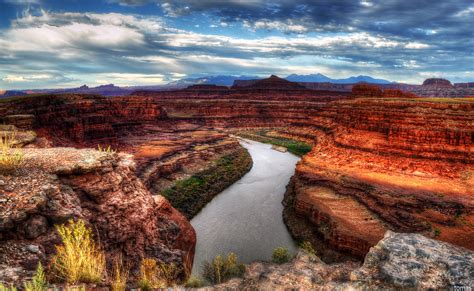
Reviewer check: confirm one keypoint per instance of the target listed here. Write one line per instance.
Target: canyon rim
(221, 159)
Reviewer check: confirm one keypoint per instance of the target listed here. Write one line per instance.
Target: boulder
(415, 261)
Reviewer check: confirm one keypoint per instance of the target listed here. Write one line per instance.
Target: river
(246, 218)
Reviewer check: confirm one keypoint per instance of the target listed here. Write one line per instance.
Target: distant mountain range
(222, 80)
(312, 78)
(320, 78)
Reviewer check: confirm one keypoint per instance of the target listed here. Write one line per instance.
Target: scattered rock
(33, 249)
(36, 226)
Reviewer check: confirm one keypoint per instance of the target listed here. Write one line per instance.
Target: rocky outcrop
(55, 185)
(437, 82)
(374, 91)
(273, 82)
(397, 93)
(398, 261)
(414, 261)
(366, 90)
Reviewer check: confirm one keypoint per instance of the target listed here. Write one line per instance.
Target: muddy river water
(246, 218)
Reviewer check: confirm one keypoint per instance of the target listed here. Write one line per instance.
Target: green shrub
(194, 282)
(281, 255)
(38, 282)
(6, 288)
(437, 232)
(308, 248)
(221, 270)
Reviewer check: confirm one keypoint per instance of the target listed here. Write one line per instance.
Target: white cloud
(22, 2)
(71, 34)
(128, 79)
(173, 11)
(13, 78)
(416, 45)
(288, 26)
(466, 12)
(28, 78)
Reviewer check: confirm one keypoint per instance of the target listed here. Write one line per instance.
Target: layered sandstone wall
(83, 118)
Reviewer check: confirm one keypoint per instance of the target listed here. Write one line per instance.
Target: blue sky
(52, 44)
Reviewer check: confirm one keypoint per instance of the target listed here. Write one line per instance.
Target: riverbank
(190, 195)
(272, 137)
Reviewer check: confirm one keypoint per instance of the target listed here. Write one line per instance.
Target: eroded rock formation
(58, 184)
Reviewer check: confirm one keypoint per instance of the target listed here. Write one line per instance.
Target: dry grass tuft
(108, 149)
(10, 157)
(194, 282)
(38, 282)
(79, 258)
(154, 275)
(120, 275)
(149, 275)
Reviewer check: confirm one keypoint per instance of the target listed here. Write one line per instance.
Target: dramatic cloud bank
(44, 46)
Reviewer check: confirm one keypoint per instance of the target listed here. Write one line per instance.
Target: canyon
(381, 161)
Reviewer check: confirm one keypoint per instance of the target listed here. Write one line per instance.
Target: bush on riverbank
(281, 255)
(295, 147)
(221, 270)
(191, 195)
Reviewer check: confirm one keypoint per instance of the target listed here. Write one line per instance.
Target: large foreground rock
(398, 261)
(58, 184)
(415, 261)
